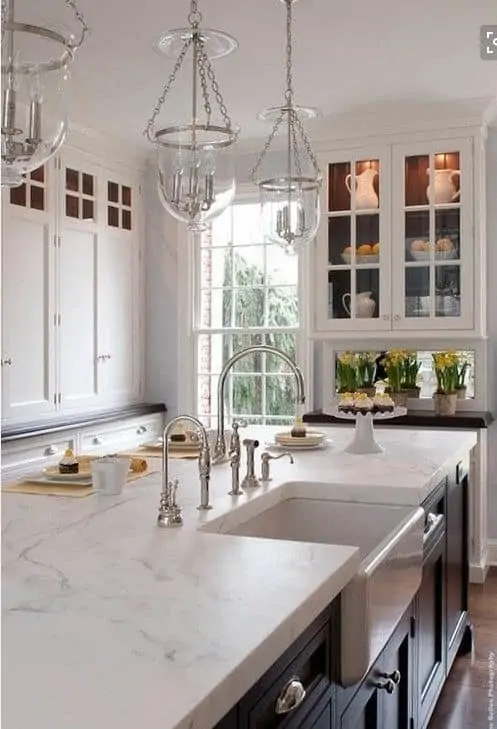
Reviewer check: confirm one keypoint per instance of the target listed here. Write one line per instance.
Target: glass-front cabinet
(354, 246)
(395, 247)
(432, 234)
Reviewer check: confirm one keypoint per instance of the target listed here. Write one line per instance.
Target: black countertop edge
(421, 418)
(18, 431)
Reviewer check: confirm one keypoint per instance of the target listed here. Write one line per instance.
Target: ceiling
(348, 55)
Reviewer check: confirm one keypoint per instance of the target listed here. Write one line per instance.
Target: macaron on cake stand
(364, 442)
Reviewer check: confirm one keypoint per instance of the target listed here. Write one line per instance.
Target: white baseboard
(492, 553)
(478, 573)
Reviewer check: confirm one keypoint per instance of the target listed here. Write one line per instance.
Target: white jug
(109, 473)
(364, 305)
(365, 195)
(444, 187)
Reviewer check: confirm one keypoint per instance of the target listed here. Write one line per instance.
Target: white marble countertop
(109, 621)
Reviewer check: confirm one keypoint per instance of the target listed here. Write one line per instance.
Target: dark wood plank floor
(464, 703)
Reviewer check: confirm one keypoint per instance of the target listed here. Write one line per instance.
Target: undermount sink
(390, 540)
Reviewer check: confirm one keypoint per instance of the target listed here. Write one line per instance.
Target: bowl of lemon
(366, 253)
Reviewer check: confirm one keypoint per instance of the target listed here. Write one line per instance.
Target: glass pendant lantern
(289, 180)
(195, 157)
(35, 75)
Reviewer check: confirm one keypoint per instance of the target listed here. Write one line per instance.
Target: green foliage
(246, 307)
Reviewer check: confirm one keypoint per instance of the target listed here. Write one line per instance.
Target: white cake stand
(364, 441)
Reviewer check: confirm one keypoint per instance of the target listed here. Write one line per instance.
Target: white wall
(161, 300)
(492, 325)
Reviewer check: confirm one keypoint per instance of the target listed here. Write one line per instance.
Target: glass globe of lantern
(196, 172)
(35, 80)
(290, 210)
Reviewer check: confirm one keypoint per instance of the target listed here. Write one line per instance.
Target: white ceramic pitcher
(364, 305)
(444, 187)
(365, 195)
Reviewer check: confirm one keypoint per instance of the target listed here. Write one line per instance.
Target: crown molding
(100, 144)
(388, 119)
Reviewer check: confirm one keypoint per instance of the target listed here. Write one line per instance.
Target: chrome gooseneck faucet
(220, 447)
(169, 511)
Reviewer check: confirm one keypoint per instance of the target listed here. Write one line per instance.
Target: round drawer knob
(395, 676)
(51, 451)
(291, 696)
(98, 440)
(388, 686)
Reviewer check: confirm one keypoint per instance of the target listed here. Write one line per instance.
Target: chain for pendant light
(288, 109)
(205, 71)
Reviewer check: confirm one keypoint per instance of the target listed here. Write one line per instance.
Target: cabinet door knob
(6, 361)
(396, 317)
(100, 357)
(395, 676)
(97, 440)
(141, 429)
(51, 450)
(291, 696)
(387, 686)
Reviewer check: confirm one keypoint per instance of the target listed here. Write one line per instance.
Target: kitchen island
(109, 621)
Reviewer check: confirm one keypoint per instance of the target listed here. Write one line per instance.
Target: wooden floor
(465, 701)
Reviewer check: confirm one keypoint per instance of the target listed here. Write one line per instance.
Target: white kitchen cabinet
(71, 289)
(78, 243)
(399, 251)
(432, 201)
(118, 288)
(354, 242)
(28, 300)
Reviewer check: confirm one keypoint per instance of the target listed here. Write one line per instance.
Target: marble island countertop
(109, 621)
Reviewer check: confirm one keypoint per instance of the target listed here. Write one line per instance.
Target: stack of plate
(312, 439)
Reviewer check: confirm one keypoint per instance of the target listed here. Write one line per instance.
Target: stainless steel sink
(390, 540)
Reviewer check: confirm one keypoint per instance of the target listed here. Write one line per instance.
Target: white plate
(56, 476)
(54, 481)
(439, 255)
(373, 258)
(312, 437)
(397, 413)
(293, 447)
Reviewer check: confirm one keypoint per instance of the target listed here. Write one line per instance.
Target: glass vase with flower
(446, 365)
(366, 372)
(346, 372)
(462, 371)
(394, 363)
(410, 376)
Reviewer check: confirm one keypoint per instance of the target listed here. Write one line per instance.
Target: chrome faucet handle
(250, 481)
(204, 471)
(235, 474)
(169, 511)
(234, 446)
(266, 457)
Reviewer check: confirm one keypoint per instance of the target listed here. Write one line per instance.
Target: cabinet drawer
(18, 458)
(307, 664)
(119, 436)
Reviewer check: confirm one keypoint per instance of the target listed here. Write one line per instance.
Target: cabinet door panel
(27, 315)
(78, 305)
(433, 225)
(352, 255)
(431, 632)
(117, 315)
(396, 710)
(457, 564)
(364, 711)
